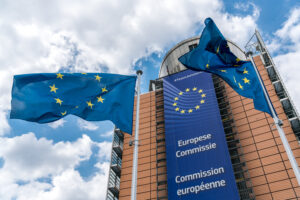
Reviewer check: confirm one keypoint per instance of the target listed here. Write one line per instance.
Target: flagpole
(136, 138)
(278, 124)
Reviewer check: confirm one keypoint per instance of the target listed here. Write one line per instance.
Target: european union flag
(48, 97)
(213, 55)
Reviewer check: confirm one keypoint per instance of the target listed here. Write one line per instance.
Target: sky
(69, 159)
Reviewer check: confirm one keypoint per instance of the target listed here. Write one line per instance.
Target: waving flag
(45, 97)
(213, 55)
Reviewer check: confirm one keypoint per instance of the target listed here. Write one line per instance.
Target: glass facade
(113, 186)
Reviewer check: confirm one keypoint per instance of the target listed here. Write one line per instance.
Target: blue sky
(69, 159)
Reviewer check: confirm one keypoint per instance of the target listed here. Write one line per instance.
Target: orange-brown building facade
(261, 167)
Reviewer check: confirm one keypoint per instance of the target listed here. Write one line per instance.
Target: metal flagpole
(136, 139)
(278, 124)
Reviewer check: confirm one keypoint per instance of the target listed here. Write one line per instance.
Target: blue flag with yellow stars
(213, 55)
(47, 97)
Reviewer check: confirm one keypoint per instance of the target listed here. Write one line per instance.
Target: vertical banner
(198, 161)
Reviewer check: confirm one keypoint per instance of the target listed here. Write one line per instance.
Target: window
(193, 46)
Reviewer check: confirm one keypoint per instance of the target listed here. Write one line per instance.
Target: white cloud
(95, 36)
(100, 35)
(70, 186)
(237, 29)
(290, 28)
(56, 124)
(104, 152)
(4, 126)
(287, 51)
(247, 6)
(28, 159)
(107, 134)
(85, 125)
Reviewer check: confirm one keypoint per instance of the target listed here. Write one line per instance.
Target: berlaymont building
(199, 139)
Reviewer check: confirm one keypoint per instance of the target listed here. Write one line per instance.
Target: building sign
(198, 161)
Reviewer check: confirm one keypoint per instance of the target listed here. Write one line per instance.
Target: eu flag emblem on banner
(191, 112)
(48, 97)
(213, 55)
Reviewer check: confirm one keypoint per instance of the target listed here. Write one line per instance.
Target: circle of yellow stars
(100, 99)
(192, 109)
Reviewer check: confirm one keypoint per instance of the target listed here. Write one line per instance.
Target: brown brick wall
(270, 171)
(147, 153)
